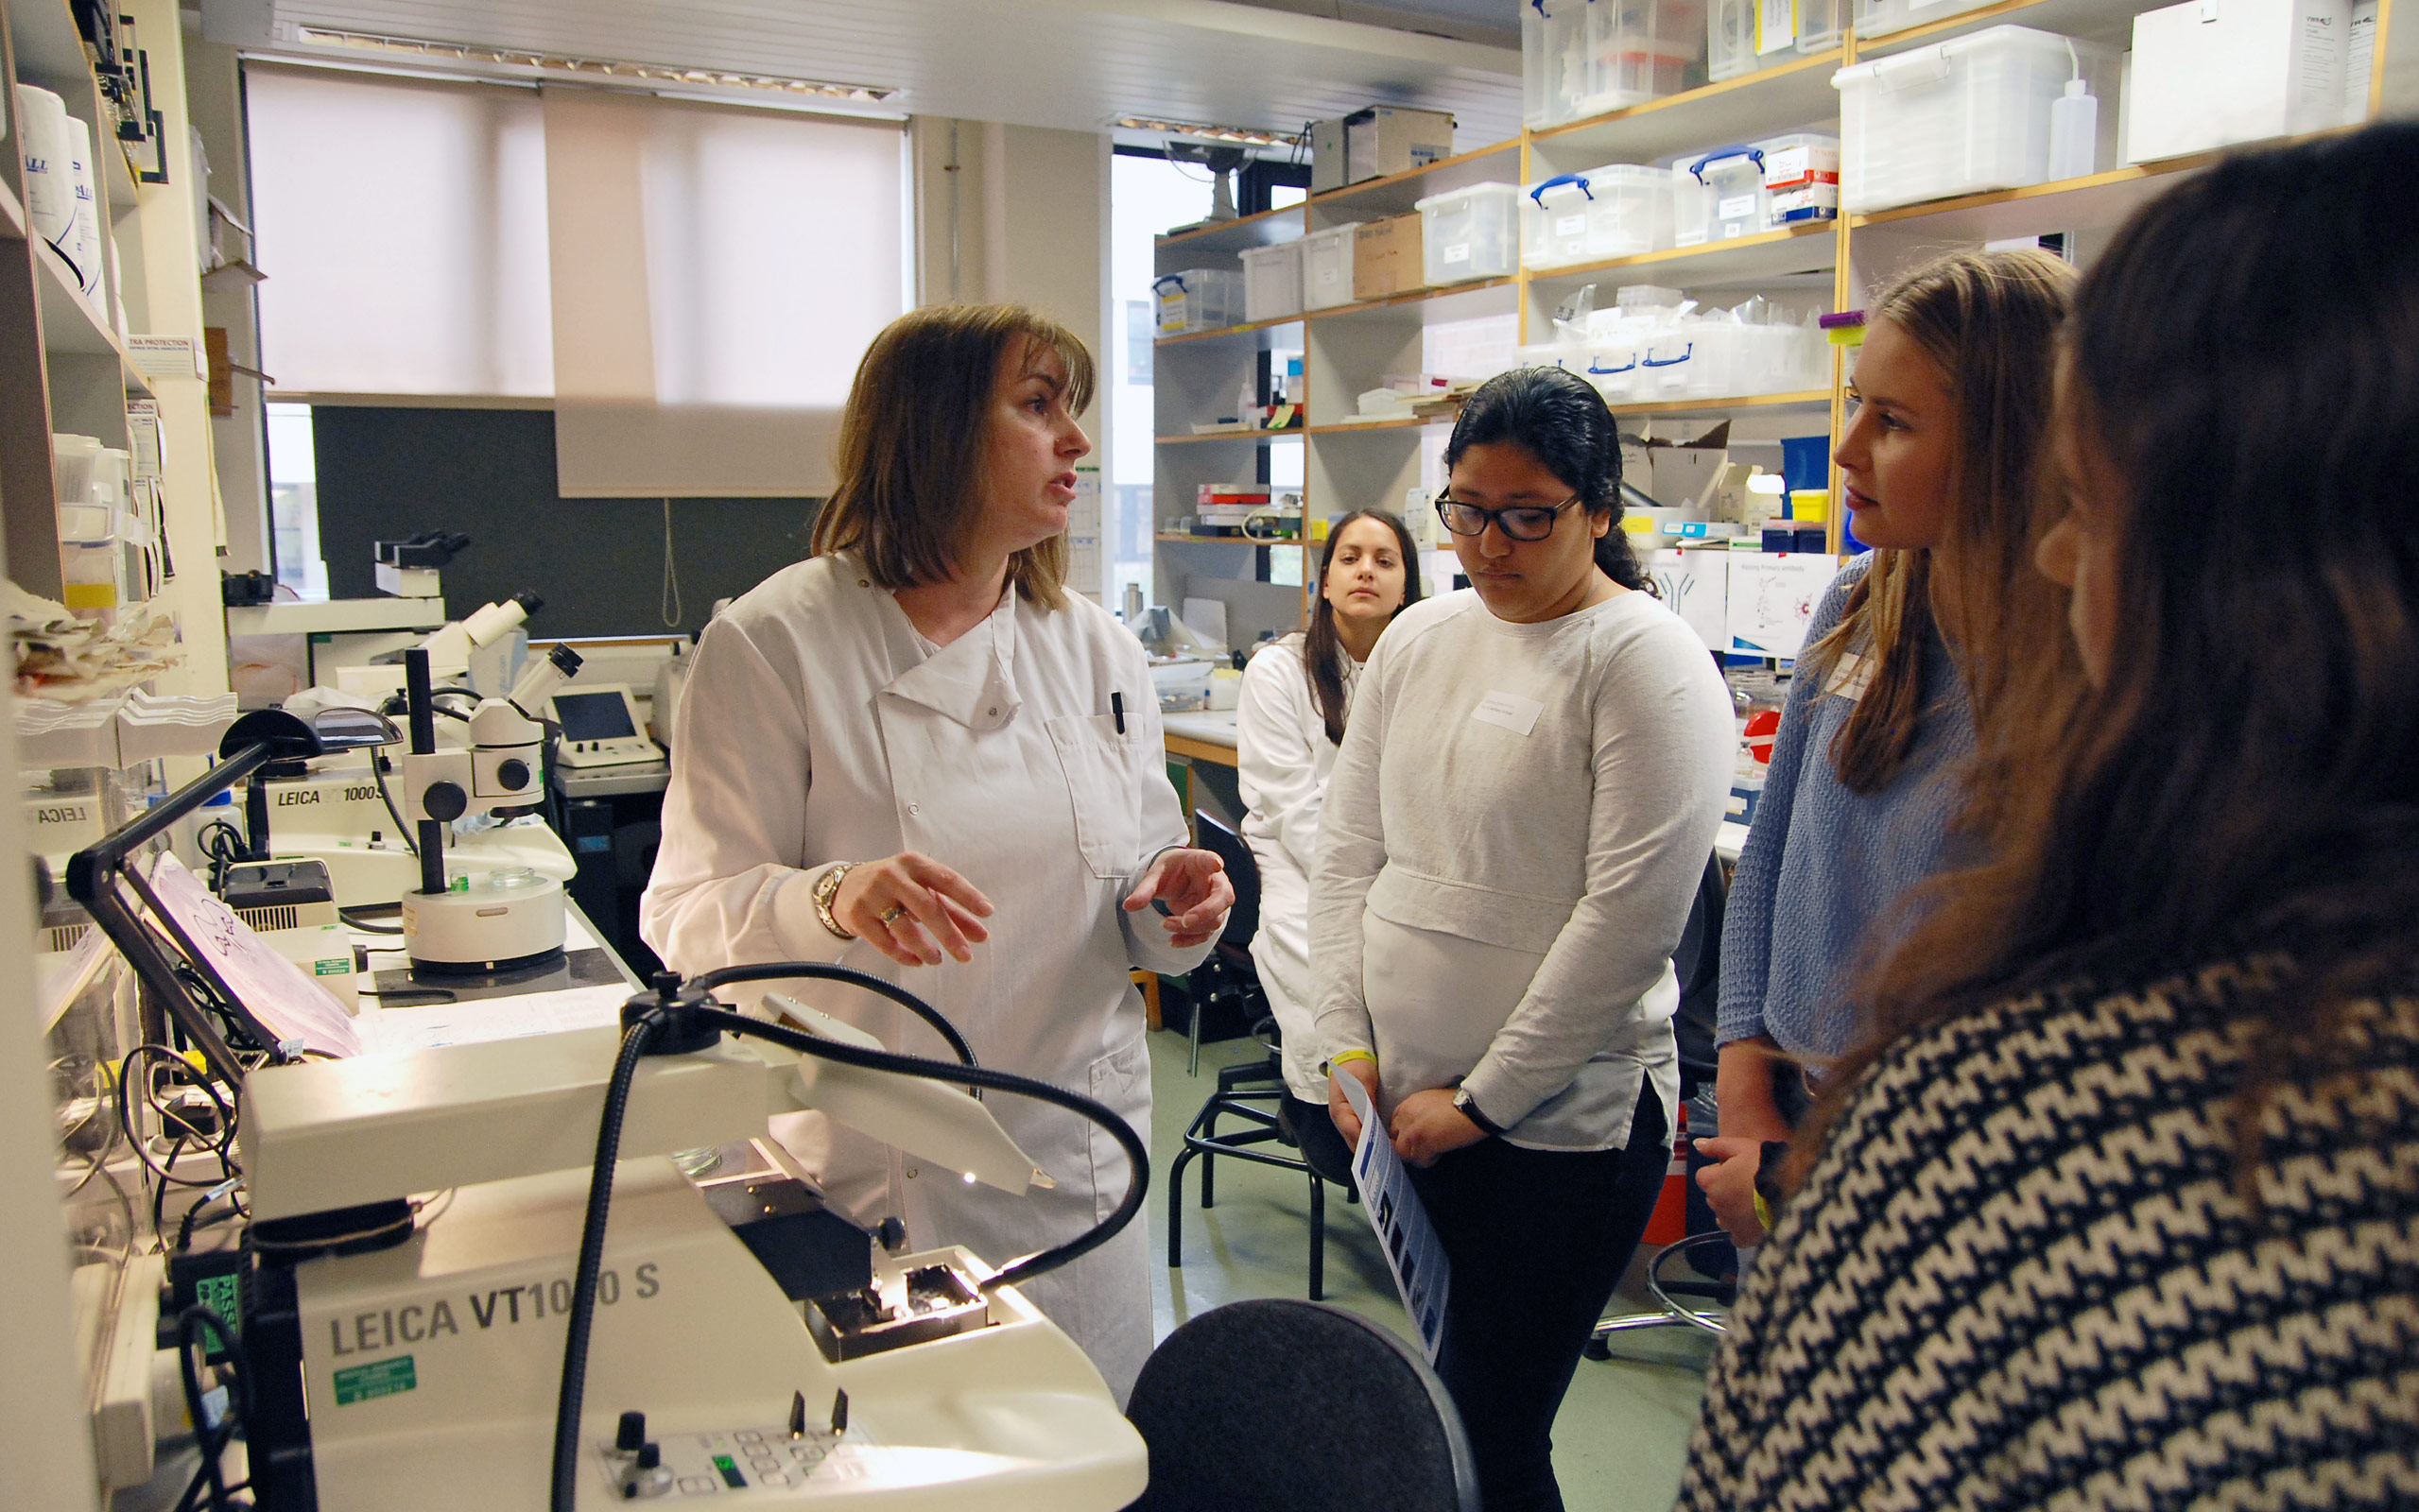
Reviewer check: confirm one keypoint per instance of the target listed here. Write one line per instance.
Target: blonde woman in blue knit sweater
(1952, 392)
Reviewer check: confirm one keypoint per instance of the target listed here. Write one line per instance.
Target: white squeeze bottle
(2074, 126)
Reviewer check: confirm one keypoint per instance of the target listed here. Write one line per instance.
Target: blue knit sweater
(1823, 865)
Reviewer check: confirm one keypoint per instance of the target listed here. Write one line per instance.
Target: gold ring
(893, 914)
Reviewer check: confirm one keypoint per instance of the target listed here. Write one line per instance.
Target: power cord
(686, 1021)
(211, 1441)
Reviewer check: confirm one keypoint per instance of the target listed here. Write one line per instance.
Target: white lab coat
(816, 728)
(1283, 757)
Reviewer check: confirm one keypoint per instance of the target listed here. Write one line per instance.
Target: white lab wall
(1022, 216)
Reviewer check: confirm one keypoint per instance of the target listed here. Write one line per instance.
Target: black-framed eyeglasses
(1520, 522)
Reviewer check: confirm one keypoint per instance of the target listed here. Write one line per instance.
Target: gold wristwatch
(827, 891)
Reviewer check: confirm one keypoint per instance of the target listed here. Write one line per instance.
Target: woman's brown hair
(2242, 370)
(1989, 321)
(910, 461)
(1323, 648)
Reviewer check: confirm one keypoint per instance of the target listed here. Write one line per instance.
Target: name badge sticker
(1507, 712)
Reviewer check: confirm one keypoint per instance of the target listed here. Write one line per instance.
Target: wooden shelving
(1234, 435)
(1803, 399)
(1175, 538)
(1792, 249)
(1451, 302)
(1264, 229)
(12, 216)
(1365, 427)
(1261, 329)
(1398, 193)
(1735, 110)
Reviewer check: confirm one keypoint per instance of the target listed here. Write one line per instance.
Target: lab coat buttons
(915, 808)
(911, 1173)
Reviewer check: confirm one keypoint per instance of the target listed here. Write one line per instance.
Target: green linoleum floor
(1624, 1427)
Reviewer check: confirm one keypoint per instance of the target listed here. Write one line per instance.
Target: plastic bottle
(2074, 131)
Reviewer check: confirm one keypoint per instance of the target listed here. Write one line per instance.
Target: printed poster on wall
(1773, 596)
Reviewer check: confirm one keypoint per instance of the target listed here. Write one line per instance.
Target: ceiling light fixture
(1242, 134)
(593, 67)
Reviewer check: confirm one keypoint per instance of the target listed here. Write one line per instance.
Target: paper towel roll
(41, 125)
(84, 249)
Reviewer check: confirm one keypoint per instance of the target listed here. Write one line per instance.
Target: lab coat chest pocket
(1104, 774)
(1121, 1080)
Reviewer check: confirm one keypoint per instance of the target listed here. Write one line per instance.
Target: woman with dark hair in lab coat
(917, 754)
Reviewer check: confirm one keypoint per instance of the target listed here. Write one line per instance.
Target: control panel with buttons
(766, 1458)
(600, 727)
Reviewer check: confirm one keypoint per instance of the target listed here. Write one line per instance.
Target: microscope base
(485, 923)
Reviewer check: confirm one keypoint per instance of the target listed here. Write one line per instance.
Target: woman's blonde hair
(1989, 320)
(912, 482)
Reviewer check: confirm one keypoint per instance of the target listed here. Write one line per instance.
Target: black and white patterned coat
(2020, 1277)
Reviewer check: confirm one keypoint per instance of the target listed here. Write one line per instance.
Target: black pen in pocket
(1117, 711)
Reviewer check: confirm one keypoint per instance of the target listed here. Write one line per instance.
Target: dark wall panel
(599, 564)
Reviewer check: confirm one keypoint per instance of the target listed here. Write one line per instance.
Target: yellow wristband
(1763, 1213)
(1345, 1057)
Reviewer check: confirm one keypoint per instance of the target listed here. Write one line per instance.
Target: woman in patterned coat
(2119, 1207)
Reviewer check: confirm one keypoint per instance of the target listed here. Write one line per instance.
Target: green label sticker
(221, 1294)
(380, 1377)
(337, 968)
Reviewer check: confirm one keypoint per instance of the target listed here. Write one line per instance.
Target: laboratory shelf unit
(1350, 349)
(1198, 437)
(12, 216)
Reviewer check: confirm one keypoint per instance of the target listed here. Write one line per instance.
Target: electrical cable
(211, 1441)
(171, 1117)
(645, 1021)
(669, 605)
(378, 770)
(367, 925)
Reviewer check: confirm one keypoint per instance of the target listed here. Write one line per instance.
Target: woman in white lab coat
(916, 755)
(1288, 720)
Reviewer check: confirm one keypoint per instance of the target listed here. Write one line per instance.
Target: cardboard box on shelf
(1386, 257)
(1384, 139)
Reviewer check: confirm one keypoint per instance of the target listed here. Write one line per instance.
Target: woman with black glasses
(1515, 826)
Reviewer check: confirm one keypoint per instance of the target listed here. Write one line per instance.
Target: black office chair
(1698, 964)
(1228, 976)
(1254, 1092)
(1285, 1406)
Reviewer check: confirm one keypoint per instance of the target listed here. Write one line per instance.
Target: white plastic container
(1272, 281)
(1802, 170)
(1820, 23)
(1471, 233)
(1580, 58)
(1616, 211)
(1734, 177)
(1327, 267)
(2206, 76)
(1961, 116)
(1730, 39)
(83, 247)
(1197, 299)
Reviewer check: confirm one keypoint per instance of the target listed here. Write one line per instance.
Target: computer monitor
(600, 727)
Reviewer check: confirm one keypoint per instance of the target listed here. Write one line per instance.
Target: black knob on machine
(444, 801)
(514, 773)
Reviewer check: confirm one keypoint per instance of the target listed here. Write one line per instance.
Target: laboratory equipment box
(1471, 233)
(1617, 211)
(1327, 154)
(1386, 257)
(1272, 281)
(1383, 140)
(1327, 267)
(1964, 115)
(1580, 58)
(1197, 299)
(1802, 171)
(2208, 75)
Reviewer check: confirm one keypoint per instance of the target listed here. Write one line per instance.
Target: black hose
(709, 981)
(564, 1492)
(1118, 1129)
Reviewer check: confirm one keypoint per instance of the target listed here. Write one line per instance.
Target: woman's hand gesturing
(910, 907)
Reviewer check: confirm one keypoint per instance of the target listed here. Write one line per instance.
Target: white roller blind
(403, 227)
(717, 275)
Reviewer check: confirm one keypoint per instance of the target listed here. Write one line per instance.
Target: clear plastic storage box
(1616, 211)
(1580, 58)
(1730, 39)
(1198, 298)
(1471, 233)
(1327, 267)
(1962, 116)
(1734, 179)
(1272, 281)
(1878, 18)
